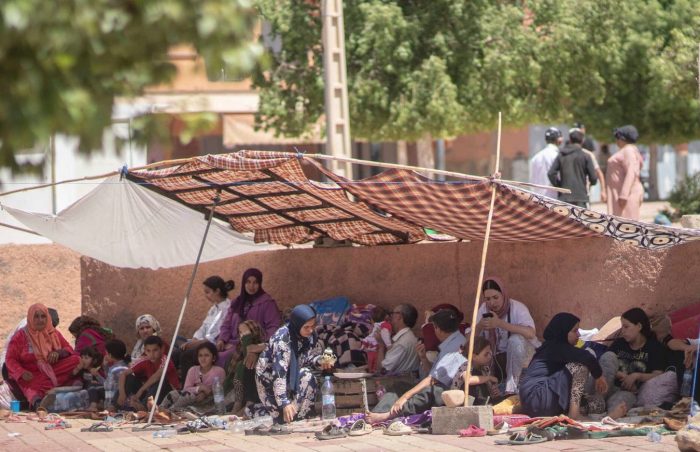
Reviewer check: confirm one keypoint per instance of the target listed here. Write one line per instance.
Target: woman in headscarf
(146, 325)
(253, 303)
(286, 386)
(88, 332)
(625, 190)
(508, 325)
(554, 382)
(38, 357)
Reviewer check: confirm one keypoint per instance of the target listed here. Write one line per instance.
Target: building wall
(593, 278)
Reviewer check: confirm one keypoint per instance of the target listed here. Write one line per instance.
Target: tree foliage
(63, 63)
(447, 67)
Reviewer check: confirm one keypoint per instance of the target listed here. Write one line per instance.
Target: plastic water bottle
(327, 399)
(165, 433)
(218, 391)
(653, 437)
(687, 385)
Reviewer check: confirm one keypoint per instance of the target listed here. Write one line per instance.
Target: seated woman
(89, 333)
(507, 323)
(146, 325)
(253, 303)
(632, 360)
(481, 383)
(199, 384)
(286, 386)
(38, 357)
(240, 384)
(554, 382)
(428, 392)
(216, 292)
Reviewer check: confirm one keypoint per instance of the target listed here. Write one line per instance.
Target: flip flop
(15, 419)
(58, 424)
(359, 428)
(277, 429)
(331, 432)
(521, 438)
(98, 427)
(472, 431)
(398, 428)
(258, 430)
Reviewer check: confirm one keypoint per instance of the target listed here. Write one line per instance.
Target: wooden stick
(484, 251)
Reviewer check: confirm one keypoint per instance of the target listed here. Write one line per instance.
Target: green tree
(63, 63)
(447, 67)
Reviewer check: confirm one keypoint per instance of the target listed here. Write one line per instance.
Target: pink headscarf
(43, 341)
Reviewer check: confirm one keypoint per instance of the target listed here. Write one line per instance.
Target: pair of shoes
(398, 428)
(98, 427)
(521, 438)
(58, 424)
(263, 430)
(333, 432)
(472, 431)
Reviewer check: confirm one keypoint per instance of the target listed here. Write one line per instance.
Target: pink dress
(20, 358)
(622, 180)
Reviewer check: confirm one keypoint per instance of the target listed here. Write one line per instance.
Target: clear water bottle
(653, 437)
(687, 385)
(327, 399)
(218, 390)
(165, 433)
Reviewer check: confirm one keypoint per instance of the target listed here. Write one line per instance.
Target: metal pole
(182, 309)
(52, 148)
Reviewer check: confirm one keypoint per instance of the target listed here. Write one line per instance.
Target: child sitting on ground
(140, 381)
(89, 370)
(199, 382)
(381, 331)
(116, 361)
(482, 386)
(241, 380)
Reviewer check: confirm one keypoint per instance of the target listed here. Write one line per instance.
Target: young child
(381, 331)
(116, 361)
(140, 381)
(241, 380)
(482, 386)
(199, 383)
(89, 370)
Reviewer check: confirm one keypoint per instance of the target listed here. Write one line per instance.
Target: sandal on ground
(58, 424)
(522, 438)
(15, 419)
(259, 430)
(278, 429)
(98, 427)
(398, 428)
(359, 428)
(472, 431)
(331, 432)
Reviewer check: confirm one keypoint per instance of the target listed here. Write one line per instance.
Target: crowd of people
(270, 366)
(574, 166)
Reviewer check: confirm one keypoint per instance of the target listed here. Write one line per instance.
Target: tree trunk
(401, 152)
(424, 146)
(653, 172)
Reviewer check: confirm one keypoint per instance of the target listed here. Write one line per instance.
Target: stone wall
(593, 278)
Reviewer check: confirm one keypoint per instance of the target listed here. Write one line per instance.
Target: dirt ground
(49, 274)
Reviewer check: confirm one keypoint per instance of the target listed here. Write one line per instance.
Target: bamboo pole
(484, 251)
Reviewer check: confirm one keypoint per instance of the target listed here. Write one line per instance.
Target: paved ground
(32, 436)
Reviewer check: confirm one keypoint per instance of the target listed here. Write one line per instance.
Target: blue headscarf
(298, 344)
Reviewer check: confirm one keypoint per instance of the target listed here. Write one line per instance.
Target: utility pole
(336, 87)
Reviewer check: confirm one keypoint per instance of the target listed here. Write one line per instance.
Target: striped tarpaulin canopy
(269, 194)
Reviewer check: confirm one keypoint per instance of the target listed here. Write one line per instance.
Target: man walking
(543, 160)
(572, 169)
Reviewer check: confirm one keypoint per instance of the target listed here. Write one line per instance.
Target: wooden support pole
(484, 251)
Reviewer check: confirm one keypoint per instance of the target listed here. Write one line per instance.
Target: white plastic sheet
(126, 225)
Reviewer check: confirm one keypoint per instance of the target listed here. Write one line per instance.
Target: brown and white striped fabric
(269, 194)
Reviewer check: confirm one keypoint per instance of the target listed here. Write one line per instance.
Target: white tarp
(126, 225)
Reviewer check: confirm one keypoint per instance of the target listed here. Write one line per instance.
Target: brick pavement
(33, 437)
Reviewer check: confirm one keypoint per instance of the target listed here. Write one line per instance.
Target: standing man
(543, 160)
(589, 147)
(572, 169)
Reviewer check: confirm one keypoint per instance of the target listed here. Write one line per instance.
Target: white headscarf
(147, 319)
